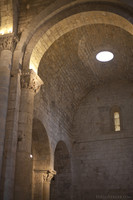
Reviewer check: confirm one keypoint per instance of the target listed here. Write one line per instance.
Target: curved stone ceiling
(70, 70)
(73, 22)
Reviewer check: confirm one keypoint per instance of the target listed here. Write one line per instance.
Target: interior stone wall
(53, 118)
(102, 158)
(6, 17)
(57, 127)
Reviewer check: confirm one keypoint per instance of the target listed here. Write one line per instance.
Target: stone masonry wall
(56, 119)
(102, 158)
(6, 17)
(53, 119)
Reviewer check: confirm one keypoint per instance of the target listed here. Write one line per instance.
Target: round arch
(55, 13)
(73, 22)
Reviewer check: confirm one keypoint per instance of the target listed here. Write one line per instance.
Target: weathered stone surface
(30, 80)
(102, 156)
(8, 42)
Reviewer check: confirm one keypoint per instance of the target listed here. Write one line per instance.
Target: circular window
(104, 56)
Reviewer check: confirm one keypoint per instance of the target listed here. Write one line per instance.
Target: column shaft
(24, 162)
(5, 63)
(11, 138)
(46, 191)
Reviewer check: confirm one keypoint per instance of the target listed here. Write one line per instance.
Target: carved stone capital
(48, 175)
(8, 42)
(30, 80)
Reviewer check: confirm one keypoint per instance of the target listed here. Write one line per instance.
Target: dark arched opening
(61, 185)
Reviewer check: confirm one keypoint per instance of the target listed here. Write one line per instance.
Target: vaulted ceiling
(70, 70)
(60, 41)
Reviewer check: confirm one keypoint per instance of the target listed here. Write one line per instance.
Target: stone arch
(61, 185)
(41, 158)
(73, 22)
(58, 12)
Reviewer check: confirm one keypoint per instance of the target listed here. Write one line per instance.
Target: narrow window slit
(117, 121)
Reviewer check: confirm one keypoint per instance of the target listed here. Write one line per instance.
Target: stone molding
(48, 175)
(30, 80)
(8, 42)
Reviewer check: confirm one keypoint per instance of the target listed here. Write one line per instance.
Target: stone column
(11, 137)
(6, 47)
(47, 177)
(30, 85)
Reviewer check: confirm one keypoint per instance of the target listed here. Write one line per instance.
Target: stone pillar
(11, 136)
(30, 84)
(47, 177)
(6, 47)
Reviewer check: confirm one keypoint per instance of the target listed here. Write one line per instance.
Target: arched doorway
(61, 185)
(40, 154)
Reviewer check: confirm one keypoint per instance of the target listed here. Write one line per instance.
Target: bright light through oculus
(104, 56)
